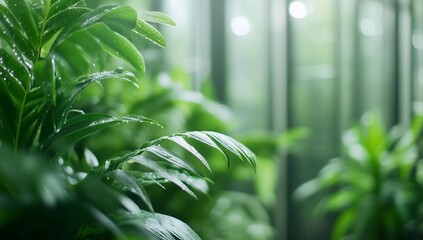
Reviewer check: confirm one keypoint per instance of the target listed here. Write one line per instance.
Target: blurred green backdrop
(292, 64)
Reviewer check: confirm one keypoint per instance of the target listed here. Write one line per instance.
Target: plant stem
(37, 57)
(19, 126)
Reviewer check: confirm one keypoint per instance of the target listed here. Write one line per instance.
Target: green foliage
(375, 188)
(178, 109)
(267, 146)
(238, 216)
(51, 185)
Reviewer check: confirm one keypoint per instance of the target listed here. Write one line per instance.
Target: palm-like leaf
(166, 164)
(167, 227)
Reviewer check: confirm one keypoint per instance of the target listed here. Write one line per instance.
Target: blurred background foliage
(296, 75)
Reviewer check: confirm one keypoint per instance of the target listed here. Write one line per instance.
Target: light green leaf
(203, 138)
(183, 143)
(344, 223)
(61, 5)
(197, 183)
(162, 171)
(373, 134)
(90, 159)
(121, 20)
(156, 17)
(149, 32)
(342, 198)
(106, 40)
(308, 189)
(167, 156)
(235, 147)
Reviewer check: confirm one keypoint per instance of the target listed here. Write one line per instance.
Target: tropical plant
(162, 98)
(181, 109)
(375, 188)
(51, 185)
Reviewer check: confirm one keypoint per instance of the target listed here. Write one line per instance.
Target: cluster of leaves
(180, 109)
(163, 98)
(50, 52)
(375, 188)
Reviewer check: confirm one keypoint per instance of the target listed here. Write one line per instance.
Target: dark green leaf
(11, 28)
(84, 21)
(71, 89)
(101, 218)
(60, 20)
(81, 126)
(8, 118)
(33, 123)
(44, 75)
(130, 183)
(71, 59)
(15, 67)
(12, 86)
(23, 15)
(6, 40)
